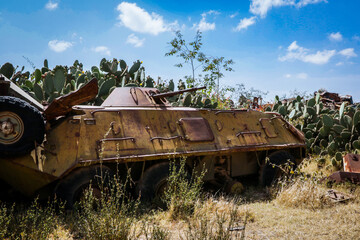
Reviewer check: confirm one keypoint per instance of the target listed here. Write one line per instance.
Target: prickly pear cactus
(326, 131)
(46, 84)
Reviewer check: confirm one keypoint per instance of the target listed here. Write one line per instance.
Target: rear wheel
(21, 126)
(73, 187)
(279, 163)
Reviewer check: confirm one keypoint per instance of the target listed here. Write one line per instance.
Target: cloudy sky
(277, 45)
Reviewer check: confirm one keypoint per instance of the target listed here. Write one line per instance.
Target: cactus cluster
(190, 99)
(327, 131)
(45, 84)
(195, 100)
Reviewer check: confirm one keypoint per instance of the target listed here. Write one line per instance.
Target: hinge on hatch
(90, 121)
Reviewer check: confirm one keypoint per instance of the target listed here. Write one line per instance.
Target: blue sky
(277, 45)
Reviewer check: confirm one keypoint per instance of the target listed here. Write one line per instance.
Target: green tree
(216, 65)
(191, 54)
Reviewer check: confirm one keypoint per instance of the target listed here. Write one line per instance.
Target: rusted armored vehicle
(61, 148)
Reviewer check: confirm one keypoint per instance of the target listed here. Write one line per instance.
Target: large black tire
(71, 189)
(272, 169)
(153, 184)
(21, 125)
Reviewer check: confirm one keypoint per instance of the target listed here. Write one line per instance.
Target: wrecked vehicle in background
(60, 149)
(333, 100)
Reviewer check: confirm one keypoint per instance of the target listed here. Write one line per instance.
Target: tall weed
(32, 222)
(111, 217)
(5, 219)
(217, 219)
(182, 191)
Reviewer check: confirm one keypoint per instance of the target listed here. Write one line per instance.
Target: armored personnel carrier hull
(137, 128)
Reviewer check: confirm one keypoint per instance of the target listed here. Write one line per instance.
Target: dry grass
(297, 209)
(274, 221)
(303, 194)
(288, 216)
(301, 209)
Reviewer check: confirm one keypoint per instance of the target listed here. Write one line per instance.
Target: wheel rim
(11, 128)
(161, 188)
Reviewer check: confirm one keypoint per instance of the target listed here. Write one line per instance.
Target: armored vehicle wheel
(153, 184)
(21, 125)
(72, 188)
(279, 163)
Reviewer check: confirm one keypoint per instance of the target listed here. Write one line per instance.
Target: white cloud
(348, 52)
(295, 52)
(320, 57)
(51, 5)
(102, 49)
(339, 64)
(59, 46)
(299, 75)
(245, 23)
(293, 46)
(303, 3)
(336, 37)
(135, 41)
(203, 25)
(211, 12)
(139, 20)
(233, 15)
(302, 76)
(261, 7)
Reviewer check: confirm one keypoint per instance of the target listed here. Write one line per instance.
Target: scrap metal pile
(334, 100)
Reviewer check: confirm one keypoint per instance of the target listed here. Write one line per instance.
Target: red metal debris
(351, 169)
(63, 105)
(341, 176)
(352, 163)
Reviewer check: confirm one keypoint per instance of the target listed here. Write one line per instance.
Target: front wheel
(21, 126)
